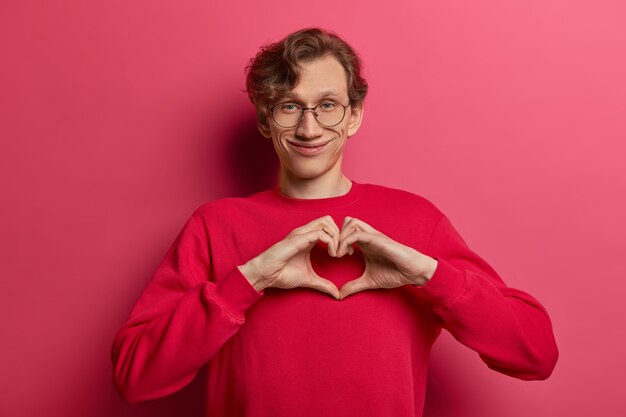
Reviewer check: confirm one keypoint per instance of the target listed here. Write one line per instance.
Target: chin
(308, 172)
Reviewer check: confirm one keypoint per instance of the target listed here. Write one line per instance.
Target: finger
(307, 227)
(347, 228)
(360, 236)
(301, 242)
(316, 223)
(360, 224)
(323, 285)
(320, 235)
(354, 286)
(327, 225)
(345, 221)
(344, 248)
(333, 243)
(334, 235)
(375, 243)
(333, 226)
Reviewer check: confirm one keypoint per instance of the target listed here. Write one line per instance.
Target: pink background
(119, 118)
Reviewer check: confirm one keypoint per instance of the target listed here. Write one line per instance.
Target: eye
(327, 106)
(288, 108)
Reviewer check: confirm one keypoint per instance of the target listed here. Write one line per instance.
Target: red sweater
(299, 352)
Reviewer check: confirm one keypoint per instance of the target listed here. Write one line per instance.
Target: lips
(309, 148)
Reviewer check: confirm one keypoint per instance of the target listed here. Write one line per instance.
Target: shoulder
(403, 200)
(228, 207)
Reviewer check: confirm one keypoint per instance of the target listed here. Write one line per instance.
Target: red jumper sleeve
(510, 330)
(180, 321)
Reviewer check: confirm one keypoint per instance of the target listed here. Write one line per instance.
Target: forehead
(321, 78)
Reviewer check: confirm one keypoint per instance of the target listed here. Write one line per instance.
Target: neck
(310, 188)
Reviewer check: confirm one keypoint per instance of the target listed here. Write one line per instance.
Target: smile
(309, 149)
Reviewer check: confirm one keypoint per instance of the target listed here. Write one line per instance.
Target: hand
(388, 264)
(287, 264)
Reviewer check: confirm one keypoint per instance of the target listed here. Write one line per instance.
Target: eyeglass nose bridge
(312, 109)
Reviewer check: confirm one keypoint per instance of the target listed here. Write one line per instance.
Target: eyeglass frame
(303, 109)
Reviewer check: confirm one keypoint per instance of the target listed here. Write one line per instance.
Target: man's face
(321, 80)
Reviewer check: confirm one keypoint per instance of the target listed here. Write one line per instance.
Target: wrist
(432, 267)
(428, 272)
(249, 271)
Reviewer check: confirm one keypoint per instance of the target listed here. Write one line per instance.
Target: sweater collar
(353, 194)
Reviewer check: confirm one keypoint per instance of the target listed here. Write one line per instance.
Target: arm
(510, 330)
(183, 318)
(180, 321)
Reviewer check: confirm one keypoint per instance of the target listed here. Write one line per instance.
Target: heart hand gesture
(388, 264)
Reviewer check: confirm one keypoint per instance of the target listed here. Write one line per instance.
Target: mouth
(309, 148)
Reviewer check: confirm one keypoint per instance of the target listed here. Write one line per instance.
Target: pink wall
(119, 118)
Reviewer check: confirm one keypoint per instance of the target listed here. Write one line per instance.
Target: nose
(308, 127)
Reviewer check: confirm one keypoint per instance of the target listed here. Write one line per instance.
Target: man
(322, 296)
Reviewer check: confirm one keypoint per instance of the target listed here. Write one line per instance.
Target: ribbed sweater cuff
(235, 293)
(445, 284)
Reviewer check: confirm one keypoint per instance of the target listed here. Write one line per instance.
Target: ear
(356, 116)
(264, 128)
(262, 123)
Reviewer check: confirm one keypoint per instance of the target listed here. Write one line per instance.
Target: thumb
(354, 286)
(321, 284)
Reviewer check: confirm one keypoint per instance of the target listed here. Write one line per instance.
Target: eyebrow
(322, 94)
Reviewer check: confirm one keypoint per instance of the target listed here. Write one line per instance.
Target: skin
(316, 176)
(286, 264)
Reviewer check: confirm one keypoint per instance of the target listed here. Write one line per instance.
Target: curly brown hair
(275, 70)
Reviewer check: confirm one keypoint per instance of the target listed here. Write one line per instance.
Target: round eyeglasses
(327, 113)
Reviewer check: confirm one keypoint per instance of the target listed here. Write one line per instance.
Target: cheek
(340, 142)
(342, 136)
(280, 140)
